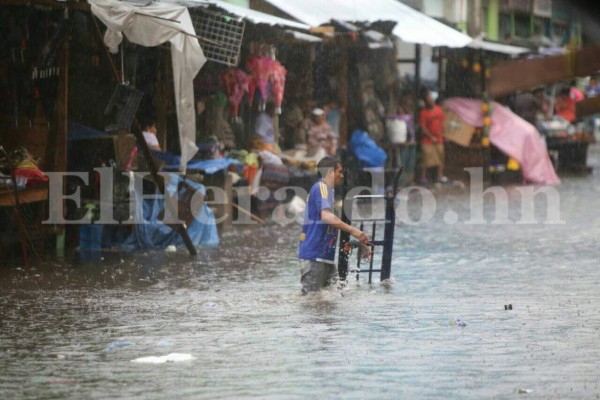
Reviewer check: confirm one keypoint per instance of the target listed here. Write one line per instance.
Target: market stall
(508, 132)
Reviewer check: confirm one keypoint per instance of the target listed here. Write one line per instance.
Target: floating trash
(118, 344)
(460, 322)
(173, 357)
(170, 249)
(508, 306)
(524, 391)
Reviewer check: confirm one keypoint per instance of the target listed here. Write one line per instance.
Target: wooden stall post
(56, 145)
(342, 92)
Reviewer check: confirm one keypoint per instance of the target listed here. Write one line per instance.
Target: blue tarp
(150, 233)
(77, 131)
(368, 153)
(207, 166)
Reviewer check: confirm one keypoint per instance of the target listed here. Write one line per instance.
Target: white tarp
(411, 25)
(151, 26)
(498, 47)
(244, 13)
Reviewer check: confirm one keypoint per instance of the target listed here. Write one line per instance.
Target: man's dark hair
(147, 121)
(326, 164)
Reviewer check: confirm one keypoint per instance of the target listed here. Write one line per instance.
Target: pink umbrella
(278, 73)
(260, 70)
(236, 84)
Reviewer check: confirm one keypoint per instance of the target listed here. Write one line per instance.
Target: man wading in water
(319, 229)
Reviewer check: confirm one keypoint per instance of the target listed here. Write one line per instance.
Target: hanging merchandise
(278, 73)
(236, 84)
(486, 109)
(262, 73)
(123, 104)
(250, 66)
(266, 74)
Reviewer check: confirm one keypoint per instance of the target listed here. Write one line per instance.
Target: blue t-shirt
(318, 239)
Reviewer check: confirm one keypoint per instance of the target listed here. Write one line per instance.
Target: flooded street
(71, 331)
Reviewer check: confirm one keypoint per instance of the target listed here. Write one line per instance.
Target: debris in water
(460, 322)
(173, 357)
(524, 391)
(170, 249)
(118, 344)
(508, 306)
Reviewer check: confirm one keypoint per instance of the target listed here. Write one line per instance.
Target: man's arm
(426, 132)
(330, 219)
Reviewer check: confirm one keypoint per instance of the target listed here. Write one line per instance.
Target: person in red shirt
(431, 122)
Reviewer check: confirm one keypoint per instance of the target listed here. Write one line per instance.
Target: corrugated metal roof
(411, 25)
(247, 14)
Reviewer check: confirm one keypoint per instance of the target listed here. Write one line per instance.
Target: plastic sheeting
(512, 135)
(244, 13)
(412, 26)
(151, 26)
(368, 153)
(150, 233)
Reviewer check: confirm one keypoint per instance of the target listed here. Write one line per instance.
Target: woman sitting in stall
(564, 105)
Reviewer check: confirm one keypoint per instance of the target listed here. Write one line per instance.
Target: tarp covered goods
(512, 135)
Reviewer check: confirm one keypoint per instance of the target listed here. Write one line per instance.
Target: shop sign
(542, 8)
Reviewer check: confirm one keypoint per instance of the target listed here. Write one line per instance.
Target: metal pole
(343, 253)
(390, 224)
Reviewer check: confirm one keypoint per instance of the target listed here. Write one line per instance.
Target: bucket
(396, 130)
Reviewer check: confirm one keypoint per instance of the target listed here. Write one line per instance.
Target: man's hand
(361, 236)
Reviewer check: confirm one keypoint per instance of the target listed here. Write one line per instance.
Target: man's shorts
(433, 155)
(315, 275)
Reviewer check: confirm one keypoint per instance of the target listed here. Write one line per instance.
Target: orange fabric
(249, 172)
(29, 169)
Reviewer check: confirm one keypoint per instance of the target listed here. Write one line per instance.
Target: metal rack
(387, 243)
(223, 36)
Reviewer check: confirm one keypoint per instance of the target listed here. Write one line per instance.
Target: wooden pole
(342, 93)
(248, 213)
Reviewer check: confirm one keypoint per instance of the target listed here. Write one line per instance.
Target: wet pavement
(239, 328)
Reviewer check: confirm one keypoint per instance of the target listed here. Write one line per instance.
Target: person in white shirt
(149, 133)
(264, 124)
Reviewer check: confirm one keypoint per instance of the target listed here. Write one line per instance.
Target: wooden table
(27, 195)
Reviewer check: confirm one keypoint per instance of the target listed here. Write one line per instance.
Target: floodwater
(239, 328)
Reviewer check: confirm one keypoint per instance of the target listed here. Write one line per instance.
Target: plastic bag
(368, 153)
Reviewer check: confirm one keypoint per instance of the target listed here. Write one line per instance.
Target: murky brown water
(71, 331)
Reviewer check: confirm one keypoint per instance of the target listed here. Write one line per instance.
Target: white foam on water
(173, 357)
